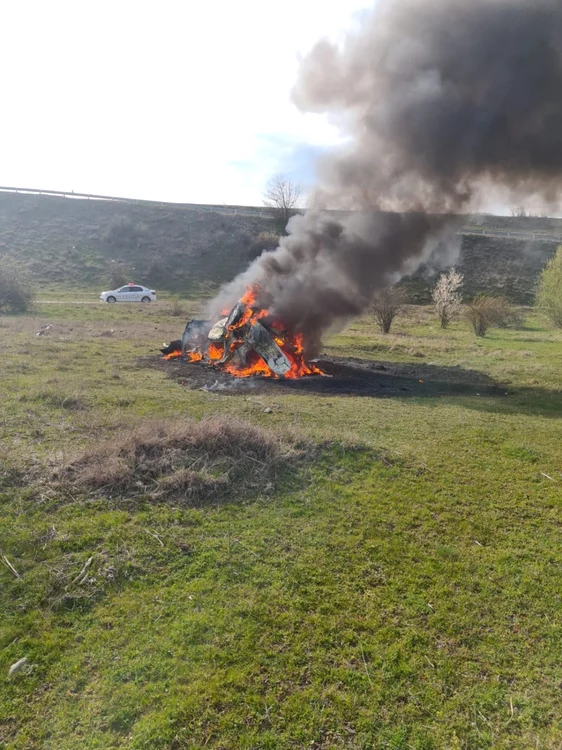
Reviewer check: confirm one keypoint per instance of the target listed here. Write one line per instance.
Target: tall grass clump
(191, 462)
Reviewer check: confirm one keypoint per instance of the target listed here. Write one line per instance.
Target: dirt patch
(344, 377)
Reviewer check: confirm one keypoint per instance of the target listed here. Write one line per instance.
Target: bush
(486, 311)
(506, 315)
(511, 317)
(16, 291)
(549, 290)
(386, 305)
(446, 297)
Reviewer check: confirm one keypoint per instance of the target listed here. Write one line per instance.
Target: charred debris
(245, 341)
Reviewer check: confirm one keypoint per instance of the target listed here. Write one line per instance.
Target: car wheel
(111, 299)
(145, 299)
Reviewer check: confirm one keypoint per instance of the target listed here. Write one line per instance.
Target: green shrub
(16, 291)
(549, 290)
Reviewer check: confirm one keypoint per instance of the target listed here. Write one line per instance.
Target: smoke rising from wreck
(441, 102)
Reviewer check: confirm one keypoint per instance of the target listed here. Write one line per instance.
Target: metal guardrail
(513, 234)
(249, 210)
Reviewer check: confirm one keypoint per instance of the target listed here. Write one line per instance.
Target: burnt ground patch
(348, 376)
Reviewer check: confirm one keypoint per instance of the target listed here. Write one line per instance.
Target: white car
(129, 293)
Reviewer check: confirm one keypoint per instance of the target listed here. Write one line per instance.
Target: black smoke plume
(443, 103)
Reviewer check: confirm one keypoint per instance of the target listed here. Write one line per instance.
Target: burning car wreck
(245, 341)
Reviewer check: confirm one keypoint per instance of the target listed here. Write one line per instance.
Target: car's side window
(136, 289)
(124, 289)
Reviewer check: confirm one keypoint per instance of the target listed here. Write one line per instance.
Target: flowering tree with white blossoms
(447, 297)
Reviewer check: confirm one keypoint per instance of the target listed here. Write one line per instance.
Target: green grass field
(398, 586)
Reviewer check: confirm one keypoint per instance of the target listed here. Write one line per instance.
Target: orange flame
(292, 345)
(258, 367)
(215, 352)
(299, 368)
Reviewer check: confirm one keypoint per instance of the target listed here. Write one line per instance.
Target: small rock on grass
(18, 666)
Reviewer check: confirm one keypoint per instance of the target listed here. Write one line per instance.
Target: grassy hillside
(506, 266)
(71, 241)
(509, 266)
(394, 582)
(75, 241)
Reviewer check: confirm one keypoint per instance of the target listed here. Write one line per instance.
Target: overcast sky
(165, 99)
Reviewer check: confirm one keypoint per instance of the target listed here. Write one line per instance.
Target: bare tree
(283, 197)
(386, 305)
(446, 297)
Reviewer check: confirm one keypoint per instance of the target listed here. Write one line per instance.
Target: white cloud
(169, 100)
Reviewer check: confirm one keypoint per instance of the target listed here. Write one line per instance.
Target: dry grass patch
(189, 462)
